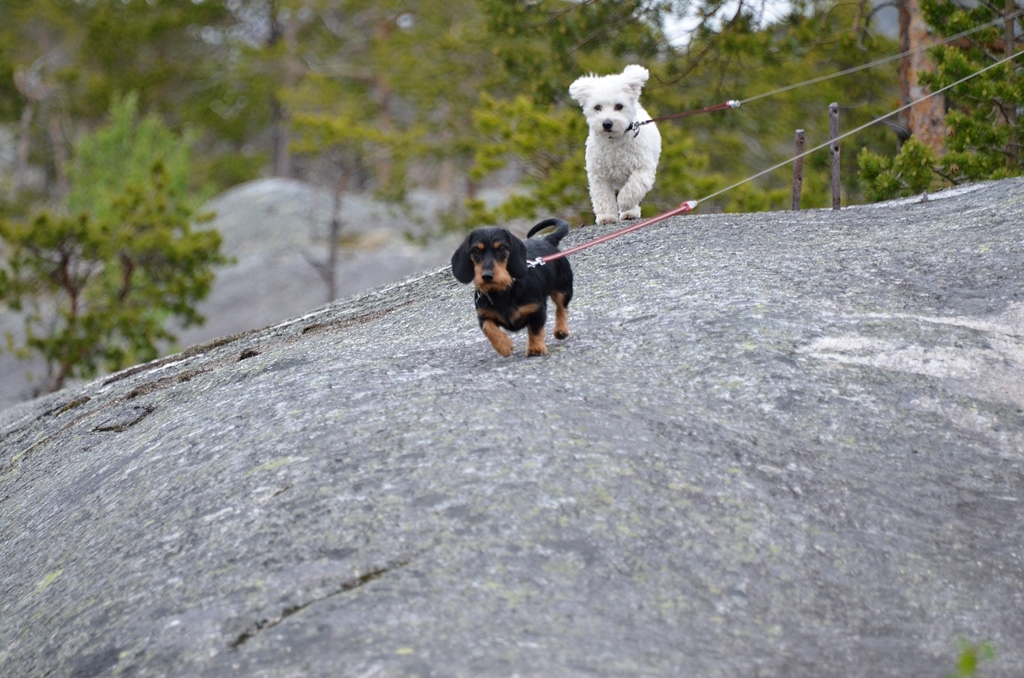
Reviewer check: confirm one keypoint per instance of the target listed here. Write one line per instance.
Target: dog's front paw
(532, 351)
(561, 334)
(499, 340)
(606, 219)
(630, 214)
(504, 348)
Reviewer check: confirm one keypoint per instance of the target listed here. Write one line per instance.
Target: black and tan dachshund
(509, 293)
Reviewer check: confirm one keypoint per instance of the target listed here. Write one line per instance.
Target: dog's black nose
(488, 276)
(607, 124)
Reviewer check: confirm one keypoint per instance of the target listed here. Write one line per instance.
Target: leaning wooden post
(833, 135)
(798, 170)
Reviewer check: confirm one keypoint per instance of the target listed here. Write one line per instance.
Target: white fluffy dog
(620, 166)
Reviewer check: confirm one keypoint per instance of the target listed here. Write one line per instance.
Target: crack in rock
(346, 586)
(126, 418)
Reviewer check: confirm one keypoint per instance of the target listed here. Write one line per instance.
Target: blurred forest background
(121, 119)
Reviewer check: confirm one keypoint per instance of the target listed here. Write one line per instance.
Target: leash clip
(635, 126)
(733, 103)
(531, 263)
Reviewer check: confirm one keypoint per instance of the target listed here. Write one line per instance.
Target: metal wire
(864, 126)
(884, 60)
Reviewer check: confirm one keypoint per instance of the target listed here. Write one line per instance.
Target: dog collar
(635, 125)
(478, 294)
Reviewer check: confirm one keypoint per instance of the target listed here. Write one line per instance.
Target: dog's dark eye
(597, 108)
(618, 107)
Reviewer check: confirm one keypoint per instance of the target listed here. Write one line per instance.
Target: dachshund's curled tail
(555, 237)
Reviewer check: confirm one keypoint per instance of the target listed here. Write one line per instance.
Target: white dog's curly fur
(620, 167)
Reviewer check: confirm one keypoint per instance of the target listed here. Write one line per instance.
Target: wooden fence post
(798, 170)
(833, 131)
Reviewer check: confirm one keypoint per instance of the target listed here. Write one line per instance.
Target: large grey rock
(785, 444)
(273, 229)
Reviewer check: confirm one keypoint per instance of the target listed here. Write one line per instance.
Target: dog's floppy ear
(580, 89)
(635, 77)
(517, 267)
(462, 265)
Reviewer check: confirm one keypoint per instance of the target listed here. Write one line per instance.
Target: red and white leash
(685, 207)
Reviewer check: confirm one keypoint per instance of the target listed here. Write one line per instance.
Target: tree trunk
(60, 156)
(925, 120)
(280, 135)
(280, 138)
(24, 145)
(1009, 44)
(382, 98)
(334, 236)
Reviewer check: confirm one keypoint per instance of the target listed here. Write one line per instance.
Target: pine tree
(984, 128)
(99, 284)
